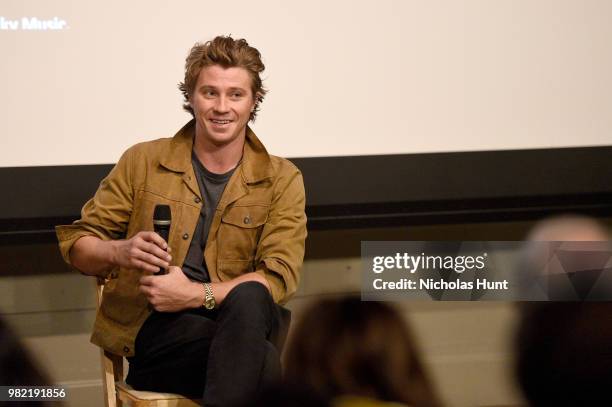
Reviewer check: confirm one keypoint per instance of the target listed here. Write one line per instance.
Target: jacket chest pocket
(239, 232)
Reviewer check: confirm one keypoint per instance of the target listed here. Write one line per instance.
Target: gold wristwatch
(209, 298)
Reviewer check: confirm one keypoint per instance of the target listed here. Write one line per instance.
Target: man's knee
(249, 292)
(249, 301)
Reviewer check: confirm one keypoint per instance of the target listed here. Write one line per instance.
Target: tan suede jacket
(259, 224)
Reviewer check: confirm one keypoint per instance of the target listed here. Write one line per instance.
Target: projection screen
(84, 80)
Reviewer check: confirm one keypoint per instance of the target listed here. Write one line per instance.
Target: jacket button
(197, 199)
(247, 220)
(126, 349)
(185, 236)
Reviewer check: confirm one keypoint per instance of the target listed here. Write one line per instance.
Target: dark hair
(228, 53)
(17, 367)
(564, 353)
(349, 347)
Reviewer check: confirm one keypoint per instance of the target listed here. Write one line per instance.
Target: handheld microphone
(162, 219)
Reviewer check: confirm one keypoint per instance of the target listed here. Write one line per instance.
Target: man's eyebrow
(231, 89)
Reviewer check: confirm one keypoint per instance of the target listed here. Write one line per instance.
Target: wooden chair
(117, 393)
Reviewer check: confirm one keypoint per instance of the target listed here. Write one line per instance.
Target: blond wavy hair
(228, 53)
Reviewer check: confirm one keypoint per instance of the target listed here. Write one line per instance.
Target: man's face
(222, 102)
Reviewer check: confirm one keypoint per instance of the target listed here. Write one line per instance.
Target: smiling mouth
(220, 121)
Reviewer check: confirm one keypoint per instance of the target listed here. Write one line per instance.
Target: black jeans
(223, 356)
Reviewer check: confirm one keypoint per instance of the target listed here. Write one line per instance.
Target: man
(235, 248)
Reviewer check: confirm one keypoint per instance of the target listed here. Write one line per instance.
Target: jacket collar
(255, 165)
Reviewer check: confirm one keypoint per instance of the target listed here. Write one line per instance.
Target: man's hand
(145, 251)
(172, 292)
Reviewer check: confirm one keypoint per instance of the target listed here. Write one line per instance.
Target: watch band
(209, 298)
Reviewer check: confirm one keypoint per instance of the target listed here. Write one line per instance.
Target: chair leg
(112, 365)
(112, 371)
(108, 380)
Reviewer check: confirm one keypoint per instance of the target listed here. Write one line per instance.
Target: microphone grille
(162, 212)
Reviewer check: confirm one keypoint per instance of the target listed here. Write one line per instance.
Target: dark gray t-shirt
(211, 188)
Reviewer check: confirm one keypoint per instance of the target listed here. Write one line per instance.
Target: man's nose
(222, 105)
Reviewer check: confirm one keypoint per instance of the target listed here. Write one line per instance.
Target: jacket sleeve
(105, 215)
(280, 251)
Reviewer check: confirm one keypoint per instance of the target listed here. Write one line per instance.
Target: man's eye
(209, 93)
(236, 95)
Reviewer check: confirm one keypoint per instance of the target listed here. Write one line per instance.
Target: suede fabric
(259, 224)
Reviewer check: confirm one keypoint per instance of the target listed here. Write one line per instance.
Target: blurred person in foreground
(357, 353)
(569, 228)
(564, 349)
(18, 368)
(564, 258)
(564, 353)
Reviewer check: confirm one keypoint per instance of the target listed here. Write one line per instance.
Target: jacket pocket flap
(246, 216)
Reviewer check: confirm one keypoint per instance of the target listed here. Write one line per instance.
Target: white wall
(345, 77)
